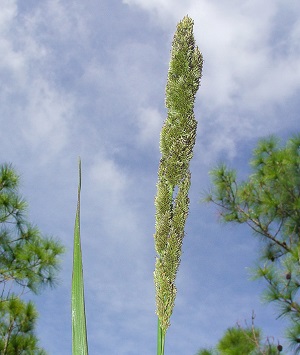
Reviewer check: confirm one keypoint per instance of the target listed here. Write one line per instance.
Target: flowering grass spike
(177, 140)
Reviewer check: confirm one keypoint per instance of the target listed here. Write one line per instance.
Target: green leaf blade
(79, 332)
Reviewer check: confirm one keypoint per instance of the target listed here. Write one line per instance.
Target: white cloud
(64, 21)
(8, 11)
(39, 111)
(105, 174)
(46, 118)
(11, 61)
(231, 47)
(164, 11)
(108, 188)
(150, 122)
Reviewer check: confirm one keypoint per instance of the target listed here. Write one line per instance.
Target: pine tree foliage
(17, 328)
(242, 341)
(269, 203)
(236, 342)
(206, 352)
(176, 144)
(29, 261)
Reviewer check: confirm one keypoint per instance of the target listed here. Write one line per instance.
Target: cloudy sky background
(87, 79)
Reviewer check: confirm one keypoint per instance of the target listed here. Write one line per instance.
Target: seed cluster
(177, 140)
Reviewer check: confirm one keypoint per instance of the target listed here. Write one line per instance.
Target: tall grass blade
(79, 333)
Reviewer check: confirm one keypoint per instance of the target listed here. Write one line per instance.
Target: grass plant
(177, 141)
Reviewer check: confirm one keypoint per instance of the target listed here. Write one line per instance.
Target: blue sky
(87, 79)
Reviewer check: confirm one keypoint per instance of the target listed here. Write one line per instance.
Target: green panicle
(177, 141)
